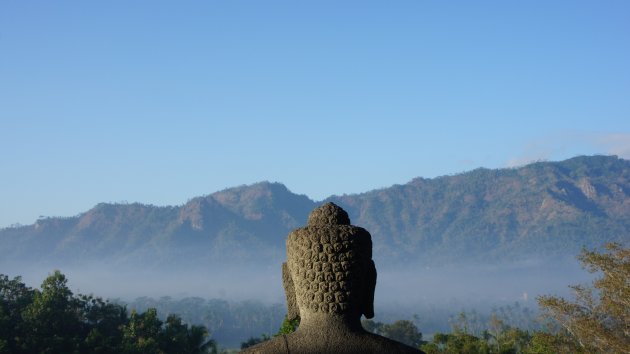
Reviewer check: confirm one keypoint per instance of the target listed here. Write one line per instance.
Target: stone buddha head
(329, 268)
(329, 279)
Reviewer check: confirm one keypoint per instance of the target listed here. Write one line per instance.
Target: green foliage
(468, 336)
(178, 338)
(141, 333)
(403, 331)
(54, 320)
(105, 321)
(599, 317)
(14, 298)
(598, 321)
(456, 343)
(498, 339)
(553, 343)
(230, 322)
(54, 325)
(288, 326)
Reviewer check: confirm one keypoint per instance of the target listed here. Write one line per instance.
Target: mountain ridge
(542, 209)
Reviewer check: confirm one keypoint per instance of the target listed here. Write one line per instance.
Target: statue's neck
(322, 323)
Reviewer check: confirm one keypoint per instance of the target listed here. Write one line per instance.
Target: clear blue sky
(161, 101)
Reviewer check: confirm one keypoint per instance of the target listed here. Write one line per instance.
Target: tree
(51, 321)
(140, 335)
(14, 298)
(373, 326)
(599, 318)
(254, 340)
(287, 327)
(104, 321)
(14, 295)
(198, 342)
(403, 331)
(456, 343)
(544, 342)
(177, 337)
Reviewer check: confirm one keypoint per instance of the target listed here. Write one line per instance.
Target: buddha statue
(329, 280)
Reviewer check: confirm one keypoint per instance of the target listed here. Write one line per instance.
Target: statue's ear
(370, 287)
(293, 312)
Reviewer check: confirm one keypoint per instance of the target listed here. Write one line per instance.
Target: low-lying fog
(412, 286)
(429, 296)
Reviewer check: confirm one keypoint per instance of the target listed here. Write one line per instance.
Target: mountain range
(541, 210)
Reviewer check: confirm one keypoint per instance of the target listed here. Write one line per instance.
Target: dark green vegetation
(229, 322)
(599, 318)
(53, 320)
(288, 326)
(546, 209)
(597, 321)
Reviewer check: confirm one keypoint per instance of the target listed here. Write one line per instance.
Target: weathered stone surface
(329, 279)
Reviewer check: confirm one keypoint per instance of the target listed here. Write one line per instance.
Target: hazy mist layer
(413, 286)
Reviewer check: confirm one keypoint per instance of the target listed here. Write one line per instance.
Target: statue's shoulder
(272, 346)
(366, 343)
(380, 344)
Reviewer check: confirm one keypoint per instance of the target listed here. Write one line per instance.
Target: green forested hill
(545, 209)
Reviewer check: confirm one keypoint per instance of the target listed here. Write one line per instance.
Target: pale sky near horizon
(161, 101)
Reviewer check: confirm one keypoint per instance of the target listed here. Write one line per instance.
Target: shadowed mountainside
(542, 210)
(227, 225)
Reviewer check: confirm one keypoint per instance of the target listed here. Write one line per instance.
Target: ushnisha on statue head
(329, 268)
